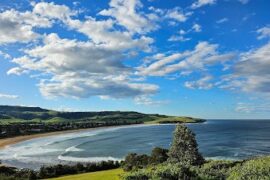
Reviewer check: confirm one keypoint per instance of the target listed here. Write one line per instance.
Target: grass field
(99, 175)
(174, 119)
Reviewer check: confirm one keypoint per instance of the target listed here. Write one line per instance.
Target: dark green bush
(135, 161)
(254, 169)
(214, 169)
(159, 155)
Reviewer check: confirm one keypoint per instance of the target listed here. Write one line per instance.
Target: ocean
(217, 139)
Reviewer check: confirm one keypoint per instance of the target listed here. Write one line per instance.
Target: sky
(200, 58)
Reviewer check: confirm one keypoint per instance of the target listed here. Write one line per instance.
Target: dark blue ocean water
(217, 139)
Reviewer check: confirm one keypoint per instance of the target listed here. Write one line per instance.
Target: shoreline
(5, 142)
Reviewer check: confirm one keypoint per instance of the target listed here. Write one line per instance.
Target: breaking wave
(87, 159)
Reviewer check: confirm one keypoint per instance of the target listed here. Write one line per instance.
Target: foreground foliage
(184, 162)
(8, 173)
(252, 169)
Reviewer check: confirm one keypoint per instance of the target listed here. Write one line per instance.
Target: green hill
(19, 120)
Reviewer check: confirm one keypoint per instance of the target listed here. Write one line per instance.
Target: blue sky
(202, 58)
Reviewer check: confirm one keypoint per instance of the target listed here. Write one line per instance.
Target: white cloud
(178, 38)
(52, 11)
(264, 32)
(18, 26)
(203, 55)
(220, 21)
(82, 69)
(202, 83)
(251, 73)
(177, 14)
(79, 69)
(103, 33)
(13, 28)
(8, 96)
(252, 107)
(5, 55)
(126, 14)
(146, 100)
(196, 27)
(201, 3)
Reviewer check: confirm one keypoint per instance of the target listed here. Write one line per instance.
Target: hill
(20, 120)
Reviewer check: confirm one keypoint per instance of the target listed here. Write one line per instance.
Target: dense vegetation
(8, 173)
(17, 120)
(183, 161)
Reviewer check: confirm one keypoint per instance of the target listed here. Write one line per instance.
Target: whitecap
(87, 159)
(73, 149)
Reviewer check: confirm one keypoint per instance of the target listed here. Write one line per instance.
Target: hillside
(15, 114)
(19, 120)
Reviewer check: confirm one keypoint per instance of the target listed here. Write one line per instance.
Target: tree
(159, 155)
(184, 148)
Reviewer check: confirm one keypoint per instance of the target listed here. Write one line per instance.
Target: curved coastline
(5, 142)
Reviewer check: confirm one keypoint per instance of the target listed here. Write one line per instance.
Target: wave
(87, 159)
(223, 158)
(73, 149)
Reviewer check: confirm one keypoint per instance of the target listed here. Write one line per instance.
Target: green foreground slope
(99, 175)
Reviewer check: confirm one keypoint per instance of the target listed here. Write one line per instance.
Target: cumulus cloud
(8, 96)
(80, 69)
(264, 32)
(177, 14)
(103, 33)
(126, 14)
(196, 27)
(203, 55)
(201, 3)
(18, 26)
(251, 73)
(52, 10)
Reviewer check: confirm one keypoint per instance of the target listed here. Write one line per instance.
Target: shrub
(165, 171)
(184, 148)
(141, 174)
(214, 169)
(258, 168)
(171, 172)
(135, 161)
(159, 155)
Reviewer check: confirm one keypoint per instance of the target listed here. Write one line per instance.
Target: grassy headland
(19, 120)
(175, 119)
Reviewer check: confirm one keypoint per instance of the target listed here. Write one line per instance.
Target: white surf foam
(87, 159)
(73, 149)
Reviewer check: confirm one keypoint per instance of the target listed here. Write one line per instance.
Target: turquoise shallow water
(218, 139)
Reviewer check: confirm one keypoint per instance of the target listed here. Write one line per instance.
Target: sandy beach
(13, 140)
